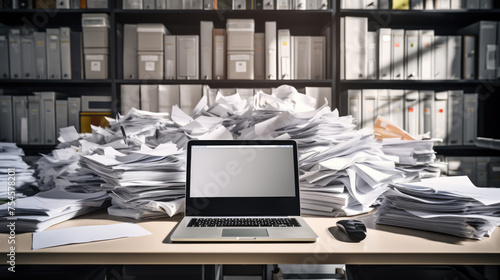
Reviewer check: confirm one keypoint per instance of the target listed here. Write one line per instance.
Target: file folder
(427, 111)
(168, 96)
(384, 103)
(95, 28)
(284, 55)
(385, 53)
(454, 58)
(40, 55)
(271, 53)
(455, 117)
(440, 56)
(15, 53)
(372, 56)
(150, 37)
(4, 56)
(96, 63)
(93, 118)
(28, 55)
(354, 106)
(411, 55)
(486, 32)
(61, 114)
(20, 106)
(188, 57)
(130, 97)
(240, 33)
(206, 52)
(398, 54)
(240, 65)
(170, 54)
(53, 53)
(34, 125)
(356, 47)
(301, 60)
(7, 116)
(318, 57)
(130, 68)
(426, 54)
(397, 107)
(411, 112)
(66, 53)
(151, 65)
(441, 116)
(149, 98)
(470, 118)
(369, 108)
(47, 116)
(219, 53)
(74, 108)
(400, 4)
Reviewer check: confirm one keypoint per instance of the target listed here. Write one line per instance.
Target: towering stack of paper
(450, 205)
(15, 174)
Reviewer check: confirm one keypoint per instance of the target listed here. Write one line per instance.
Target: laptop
(242, 191)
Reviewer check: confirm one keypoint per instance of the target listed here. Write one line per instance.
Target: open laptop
(242, 191)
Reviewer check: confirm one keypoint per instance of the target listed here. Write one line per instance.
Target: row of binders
(53, 4)
(416, 4)
(482, 171)
(225, 4)
(448, 115)
(161, 98)
(399, 54)
(36, 119)
(57, 53)
(151, 52)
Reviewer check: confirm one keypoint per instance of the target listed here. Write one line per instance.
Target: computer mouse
(355, 230)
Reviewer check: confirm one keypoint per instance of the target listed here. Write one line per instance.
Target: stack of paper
(451, 205)
(14, 172)
(36, 213)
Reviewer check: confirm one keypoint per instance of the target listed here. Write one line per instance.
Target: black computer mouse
(354, 230)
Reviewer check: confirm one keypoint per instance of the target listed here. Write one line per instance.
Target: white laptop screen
(242, 171)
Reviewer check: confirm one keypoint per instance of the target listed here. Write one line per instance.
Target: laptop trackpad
(244, 232)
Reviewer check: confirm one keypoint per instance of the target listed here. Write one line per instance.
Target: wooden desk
(383, 245)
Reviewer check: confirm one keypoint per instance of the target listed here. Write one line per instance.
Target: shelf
(23, 82)
(420, 84)
(234, 83)
(466, 151)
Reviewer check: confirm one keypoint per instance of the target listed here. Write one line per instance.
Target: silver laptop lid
(242, 178)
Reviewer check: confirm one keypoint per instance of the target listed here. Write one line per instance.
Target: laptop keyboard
(243, 222)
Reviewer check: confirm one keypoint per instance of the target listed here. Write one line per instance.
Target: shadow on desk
(414, 272)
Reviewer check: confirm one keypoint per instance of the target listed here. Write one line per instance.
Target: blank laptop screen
(242, 171)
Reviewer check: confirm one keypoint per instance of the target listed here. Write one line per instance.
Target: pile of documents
(450, 205)
(14, 172)
(36, 213)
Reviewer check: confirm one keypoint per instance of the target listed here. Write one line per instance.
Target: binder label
(95, 66)
(241, 66)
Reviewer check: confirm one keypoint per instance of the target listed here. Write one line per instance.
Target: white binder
(457, 4)
(320, 94)
(149, 4)
(62, 4)
(353, 4)
(385, 53)
(369, 108)
(397, 114)
(259, 56)
(6, 114)
(426, 54)
(132, 4)
(61, 115)
(130, 97)
(441, 116)
(417, 5)
(174, 5)
(15, 54)
(170, 56)
(482, 171)
(65, 53)
(301, 4)
(442, 4)
(187, 57)
(53, 55)
(372, 56)
(470, 118)
(411, 111)
(149, 98)
(40, 56)
(356, 47)
(219, 53)
(239, 5)
(168, 96)
(206, 53)
(486, 33)
(427, 110)
(190, 95)
(411, 55)
(74, 108)
(354, 106)
(271, 53)
(440, 55)
(209, 5)
(384, 103)
(20, 106)
(268, 5)
(342, 48)
(28, 55)
(454, 58)
(455, 117)
(469, 57)
(301, 58)
(398, 54)
(318, 57)
(130, 67)
(4, 56)
(34, 125)
(283, 4)
(371, 5)
(284, 54)
(192, 4)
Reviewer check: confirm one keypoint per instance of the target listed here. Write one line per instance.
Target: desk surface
(383, 245)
